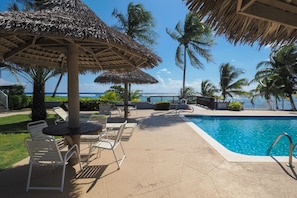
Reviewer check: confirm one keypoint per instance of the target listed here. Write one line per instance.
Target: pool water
(250, 135)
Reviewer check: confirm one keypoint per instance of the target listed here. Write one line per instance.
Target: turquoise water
(250, 135)
(260, 103)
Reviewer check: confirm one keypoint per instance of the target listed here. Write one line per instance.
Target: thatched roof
(134, 76)
(41, 38)
(247, 21)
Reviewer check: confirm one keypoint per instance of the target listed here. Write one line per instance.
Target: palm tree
(138, 24)
(135, 95)
(38, 77)
(281, 68)
(189, 91)
(229, 84)
(194, 38)
(208, 89)
(35, 75)
(26, 5)
(266, 88)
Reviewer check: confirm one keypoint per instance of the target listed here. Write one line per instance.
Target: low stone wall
(50, 105)
(147, 105)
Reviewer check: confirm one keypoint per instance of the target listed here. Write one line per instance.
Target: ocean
(259, 103)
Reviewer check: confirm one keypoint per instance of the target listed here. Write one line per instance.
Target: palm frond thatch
(268, 22)
(41, 38)
(133, 76)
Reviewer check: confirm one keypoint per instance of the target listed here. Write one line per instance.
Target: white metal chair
(111, 144)
(113, 127)
(105, 109)
(47, 153)
(96, 119)
(131, 107)
(35, 130)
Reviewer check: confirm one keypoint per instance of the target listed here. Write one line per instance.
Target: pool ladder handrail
(290, 147)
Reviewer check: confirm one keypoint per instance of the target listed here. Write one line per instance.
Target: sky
(166, 14)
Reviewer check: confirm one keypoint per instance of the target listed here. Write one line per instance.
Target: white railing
(4, 99)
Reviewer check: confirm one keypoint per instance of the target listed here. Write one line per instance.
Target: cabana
(130, 76)
(66, 34)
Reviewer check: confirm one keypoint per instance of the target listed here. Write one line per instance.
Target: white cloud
(164, 70)
(196, 84)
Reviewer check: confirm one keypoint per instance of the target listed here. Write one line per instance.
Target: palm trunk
(38, 104)
(276, 104)
(57, 85)
(292, 103)
(184, 74)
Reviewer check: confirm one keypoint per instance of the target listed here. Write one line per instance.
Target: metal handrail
(290, 147)
(4, 99)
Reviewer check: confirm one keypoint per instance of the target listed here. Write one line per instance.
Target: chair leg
(91, 150)
(123, 158)
(116, 158)
(29, 177)
(63, 178)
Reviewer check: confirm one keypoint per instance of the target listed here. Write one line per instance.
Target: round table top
(64, 129)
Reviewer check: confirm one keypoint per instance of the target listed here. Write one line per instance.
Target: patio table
(111, 125)
(72, 135)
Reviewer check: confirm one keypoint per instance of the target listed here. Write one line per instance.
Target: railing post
(4, 99)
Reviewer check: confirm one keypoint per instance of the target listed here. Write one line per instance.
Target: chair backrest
(62, 113)
(35, 130)
(41, 151)
(105, 109)
(120, 133)
(100, 119)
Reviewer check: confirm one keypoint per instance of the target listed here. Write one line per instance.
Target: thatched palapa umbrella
(66, 34)
(132, 76)
(247, 21)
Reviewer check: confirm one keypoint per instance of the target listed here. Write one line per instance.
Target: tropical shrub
(235, 106)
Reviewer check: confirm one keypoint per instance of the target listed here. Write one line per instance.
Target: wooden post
(73, 89)
(73, 96)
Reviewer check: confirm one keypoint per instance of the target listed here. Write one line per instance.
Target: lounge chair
(64, 116)
(109, 144)
(47, 153)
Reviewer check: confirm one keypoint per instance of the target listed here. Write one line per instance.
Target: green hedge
(162, 106)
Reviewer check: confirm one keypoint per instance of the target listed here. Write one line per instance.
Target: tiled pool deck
(166, 157)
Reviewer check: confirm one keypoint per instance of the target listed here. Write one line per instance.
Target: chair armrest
(71, 151)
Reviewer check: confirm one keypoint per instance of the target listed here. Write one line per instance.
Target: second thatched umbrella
(132, 76)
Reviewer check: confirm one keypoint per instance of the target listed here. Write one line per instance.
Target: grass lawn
(13, 130)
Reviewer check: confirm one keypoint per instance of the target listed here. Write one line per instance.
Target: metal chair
(96, 119)
(48, 153)
(105, 109)
(35, 130)
(111, 144)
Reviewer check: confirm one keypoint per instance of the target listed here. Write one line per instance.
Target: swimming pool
(249, 135)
